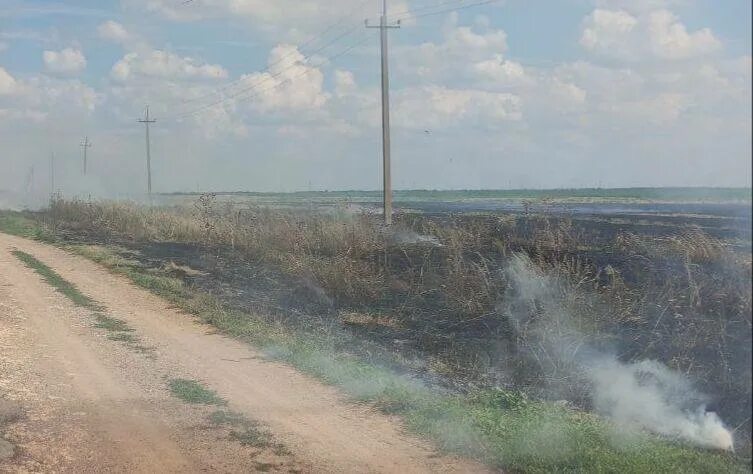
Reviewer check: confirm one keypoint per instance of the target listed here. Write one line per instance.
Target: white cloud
(345, 83)
(7, 82)
(607, 31)
(289, 83)
(500, 70)
(293, 19)
(166, 65)
(38, 97)
(67, 61)
(436, 106)
(658, 34)
(455, 55)
(113, 31)
(671, 40)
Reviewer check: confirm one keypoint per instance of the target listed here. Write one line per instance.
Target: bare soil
(94, 405)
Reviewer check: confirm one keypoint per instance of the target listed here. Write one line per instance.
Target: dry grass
(683, 299)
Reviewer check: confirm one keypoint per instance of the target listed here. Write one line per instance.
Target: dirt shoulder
(94, 404)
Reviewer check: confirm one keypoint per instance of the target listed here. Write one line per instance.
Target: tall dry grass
(437, 284)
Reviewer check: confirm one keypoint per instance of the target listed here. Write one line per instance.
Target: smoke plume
(641, 395)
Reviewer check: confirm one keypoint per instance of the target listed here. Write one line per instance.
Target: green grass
(193, 392)
(56, 281)
(246, 432)
(123, 337)
(225, 417)
(111, 324)
(119, 330)
(19, 224)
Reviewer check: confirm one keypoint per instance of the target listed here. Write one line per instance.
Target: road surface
(95, 405)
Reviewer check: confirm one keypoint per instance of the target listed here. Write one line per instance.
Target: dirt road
(96, 405)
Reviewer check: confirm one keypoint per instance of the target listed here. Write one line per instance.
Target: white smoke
(408, 237)
(643, 395)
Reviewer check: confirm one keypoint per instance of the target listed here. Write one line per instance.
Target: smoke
(641, 395)
(408, 237)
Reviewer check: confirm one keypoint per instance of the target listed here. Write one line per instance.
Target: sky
(284, 95)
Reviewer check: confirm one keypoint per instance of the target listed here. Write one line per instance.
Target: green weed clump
(194, 392)
(56, 281)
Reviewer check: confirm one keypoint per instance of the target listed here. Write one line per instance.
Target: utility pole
(146, 121)
(30, 180)
(386, 145)
(52, 174)
(86, 144)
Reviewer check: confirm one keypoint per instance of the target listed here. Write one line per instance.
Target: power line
(289, 79)
(298, 48)
(411, 11)
(255, 90)
(464, 7)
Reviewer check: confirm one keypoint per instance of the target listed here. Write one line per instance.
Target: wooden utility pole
(146, 121)
(386, 144)
(86, 144)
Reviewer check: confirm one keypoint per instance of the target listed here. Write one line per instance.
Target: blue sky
(515, 93)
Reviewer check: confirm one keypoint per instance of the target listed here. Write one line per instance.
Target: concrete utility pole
(86, 144)
(386, 145)
(146, 121)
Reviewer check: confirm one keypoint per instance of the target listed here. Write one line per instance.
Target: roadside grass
(56, 281)
(123, 337)
(246, 432)
(18, 224)
(118, 330)
(111, 324)
(501, 428)
(193, 392)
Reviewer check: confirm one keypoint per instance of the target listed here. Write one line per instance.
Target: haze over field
(512, 94)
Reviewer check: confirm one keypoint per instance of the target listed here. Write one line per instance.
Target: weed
(194, 392)
(252, 436)
(224, 417)
(56, 281)
(111, 324)
(123, 337)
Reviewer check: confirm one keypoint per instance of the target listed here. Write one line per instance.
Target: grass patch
(119, 330)
(56, 281)
(111, 324)
(252, 436)
(123, 337)
(247, 432)
(193, 392)
(18, 224)
(224, 417)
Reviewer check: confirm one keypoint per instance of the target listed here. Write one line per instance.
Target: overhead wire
(443, 3)
(254, 88)
(449, 10)
(256, 92)
(299, 48)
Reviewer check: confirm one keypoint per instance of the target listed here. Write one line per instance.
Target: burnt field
(433, 296)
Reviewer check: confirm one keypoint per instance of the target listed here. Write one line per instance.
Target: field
(508, 301)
